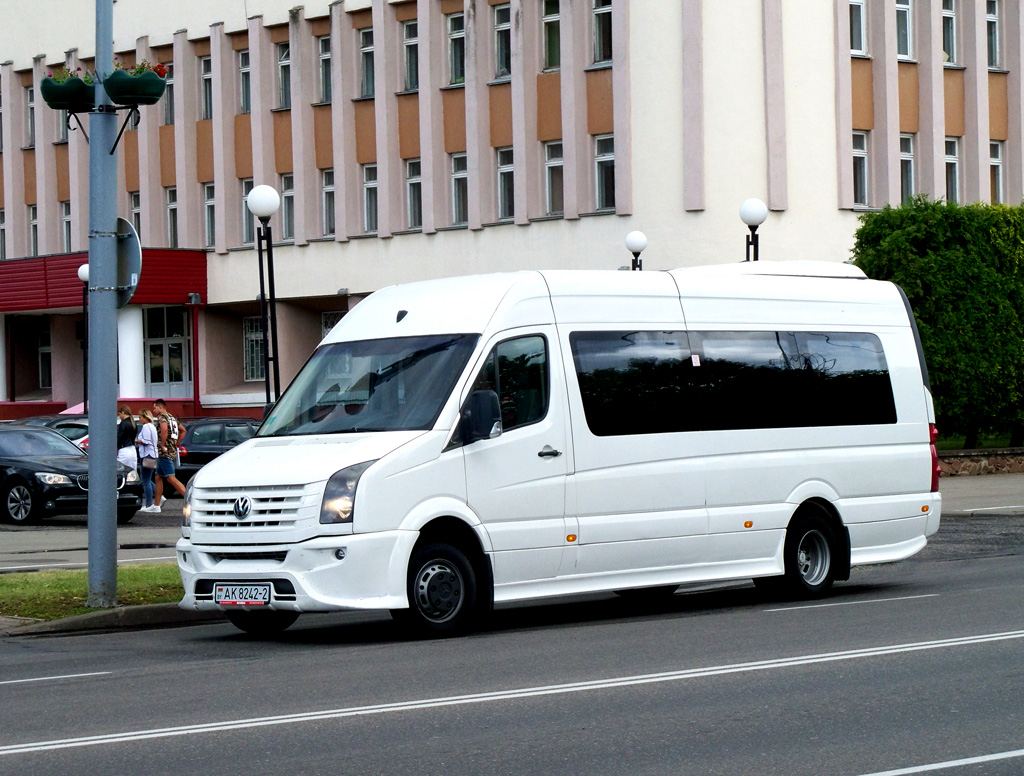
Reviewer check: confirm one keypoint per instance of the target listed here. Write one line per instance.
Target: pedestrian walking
(147, 442)
(168, 433)
(126, 433)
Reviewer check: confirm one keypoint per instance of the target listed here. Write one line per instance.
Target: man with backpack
(169, 431)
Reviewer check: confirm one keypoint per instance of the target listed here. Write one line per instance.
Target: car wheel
(809, 554)
(269, 622)
(442, 590)
(18, 506)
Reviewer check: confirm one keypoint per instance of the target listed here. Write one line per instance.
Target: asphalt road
(908, 668)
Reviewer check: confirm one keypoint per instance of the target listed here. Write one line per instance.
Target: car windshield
(395, 384)
(32, 443)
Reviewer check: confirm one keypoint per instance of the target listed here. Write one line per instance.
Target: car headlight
(186, 511)
(340, 494)
(132, 476)
(52, 478)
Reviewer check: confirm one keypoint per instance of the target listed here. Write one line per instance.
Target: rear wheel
(442, 590)
(18, 505)
(809, 555)
(267, 622)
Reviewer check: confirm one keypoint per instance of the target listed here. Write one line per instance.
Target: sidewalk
(962, 497)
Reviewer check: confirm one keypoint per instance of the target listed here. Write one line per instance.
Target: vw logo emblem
(243, 506)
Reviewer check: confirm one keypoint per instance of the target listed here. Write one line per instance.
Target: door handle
(549, 452)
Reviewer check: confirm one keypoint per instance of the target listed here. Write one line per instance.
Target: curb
(118, 618)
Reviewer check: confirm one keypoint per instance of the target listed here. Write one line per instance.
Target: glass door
(168, 342)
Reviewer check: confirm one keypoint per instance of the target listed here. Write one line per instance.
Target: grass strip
(50, 595)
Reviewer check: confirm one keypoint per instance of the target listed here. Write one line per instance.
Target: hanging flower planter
(65, 91)
(144, 88)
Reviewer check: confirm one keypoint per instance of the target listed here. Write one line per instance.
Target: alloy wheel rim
(439, 591)
(19, 503)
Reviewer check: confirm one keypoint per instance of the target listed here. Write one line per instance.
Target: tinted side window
(237, 432)
(207, 434)
(517, 370)
(635, 382)
(793, 379)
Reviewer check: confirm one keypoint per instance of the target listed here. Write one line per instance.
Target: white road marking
(991, 509)
(987, 758)
(506, 695)
(55, 678)
(80, 565)
(851, 603)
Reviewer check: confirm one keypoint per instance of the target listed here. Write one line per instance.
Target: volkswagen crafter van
(457, 443)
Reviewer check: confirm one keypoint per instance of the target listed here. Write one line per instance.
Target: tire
(443, 591)
(18, 505)
(269, 622)
(125, 515)
(810, 556)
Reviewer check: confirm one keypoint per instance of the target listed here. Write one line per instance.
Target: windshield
(32, 443)
(374, 385)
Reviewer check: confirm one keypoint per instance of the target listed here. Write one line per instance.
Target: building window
(369, 198)
(1, 123)
(904, 31)
(329, 320)
(327, 201)
(252, 342)
(168, 98)
(248, 219)
(205, 88)
(287, 207)
(553, 178)
(45, 359)
(456, 48)
(602, 31)
(604, 171)
(952, 169)
(65, 226)
(460, 189)
(906, 167)
(502, 41)
(33, 230)
(858, 40)
(552, 41)
(366, 62)
(995, 172)
(244, 83)
(411, 54)
(949, 32)
(30, 117)
(506, 185)
(62, 125)
(284, 75)
(992, 32)
(323, 46)
(171, 201)
(3, 235)
(209, 215)
(135, 205)
(414, 193)
(860, 168)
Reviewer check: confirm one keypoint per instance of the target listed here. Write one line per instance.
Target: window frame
(551, 165)
(952, 166)
(328, 225)
(505, 168)
(604, 197)
(997, 185)
(414, 193)
(904, 42)
(493, 360)
(171, 207)
(3, 234)
(459, 188)
(244, 82)
(907, 167)
(283, 53)
(253, 358)
(502, 22)
(209, 215)
(551, 38)
(410, 55)
(860, 27)
(65, 225)
(205, 88)
(135, 208)
(168, 98)
(325, 85)
(30, 117)
(992, 36)
(949, 32)
(248, 219)
(370, 201)
(456, 48)
(601, 21)
(367, 77)
(287, 183)
(33, 230)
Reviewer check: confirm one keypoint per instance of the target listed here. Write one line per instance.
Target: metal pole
(273, 314)
(260, 237)
(85, 347)
(103, 326)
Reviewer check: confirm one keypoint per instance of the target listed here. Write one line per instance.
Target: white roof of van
(810, 269)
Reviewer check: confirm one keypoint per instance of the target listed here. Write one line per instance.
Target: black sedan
(206, 438)
(74, 427)
(43, 474)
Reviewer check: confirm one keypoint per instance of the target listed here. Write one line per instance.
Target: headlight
(132, 476)
(52, 478)
(340, 494)
(186, 511)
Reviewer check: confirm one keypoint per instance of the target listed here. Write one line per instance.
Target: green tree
(961, 268)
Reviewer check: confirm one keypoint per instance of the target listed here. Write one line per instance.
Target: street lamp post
(753, 212)
(83, 275)
(263, 201)
(635, 244)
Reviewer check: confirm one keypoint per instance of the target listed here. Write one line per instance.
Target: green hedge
(963, 271)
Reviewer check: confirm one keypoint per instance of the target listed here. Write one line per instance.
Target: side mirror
(481, 417)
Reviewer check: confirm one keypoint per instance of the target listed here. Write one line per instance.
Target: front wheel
(269, 622)
(810, 556)
(18, 505)
(442, 590)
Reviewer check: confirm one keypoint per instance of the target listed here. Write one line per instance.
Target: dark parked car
(206, 438)
(74, 427)
(44, 474)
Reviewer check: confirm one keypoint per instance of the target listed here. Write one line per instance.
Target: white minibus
(458, 443)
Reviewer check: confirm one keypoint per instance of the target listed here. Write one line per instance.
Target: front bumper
(306, 577)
